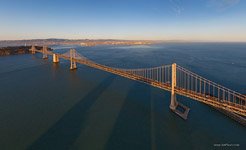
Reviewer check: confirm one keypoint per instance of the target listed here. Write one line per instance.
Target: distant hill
(83, 42)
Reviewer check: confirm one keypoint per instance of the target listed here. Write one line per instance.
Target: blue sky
(196, 20)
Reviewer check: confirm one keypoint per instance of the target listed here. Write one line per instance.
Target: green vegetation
(15, 50)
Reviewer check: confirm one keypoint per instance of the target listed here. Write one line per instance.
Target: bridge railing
(160, 74)
(195, 84)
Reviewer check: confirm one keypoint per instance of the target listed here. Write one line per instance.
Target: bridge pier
(55, 58)
(45, 51)
(73, 65)
(175, 106)
(174, 102)
(72, 61)
(33, 49)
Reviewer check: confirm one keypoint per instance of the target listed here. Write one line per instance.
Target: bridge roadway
(207, 99)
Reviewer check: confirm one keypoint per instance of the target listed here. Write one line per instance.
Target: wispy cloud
(222, 4)
(176, 6)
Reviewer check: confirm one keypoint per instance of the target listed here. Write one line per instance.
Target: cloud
(176, 6)
(222, 4)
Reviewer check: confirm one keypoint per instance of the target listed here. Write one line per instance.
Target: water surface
(47, 106)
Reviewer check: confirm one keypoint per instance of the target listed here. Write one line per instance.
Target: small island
(16, 50)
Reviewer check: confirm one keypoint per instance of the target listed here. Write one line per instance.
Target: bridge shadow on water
(132, 128)
(64, 132)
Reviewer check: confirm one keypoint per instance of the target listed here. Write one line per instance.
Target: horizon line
(171, 40)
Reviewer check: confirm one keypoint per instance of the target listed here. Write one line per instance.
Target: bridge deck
(202, 97)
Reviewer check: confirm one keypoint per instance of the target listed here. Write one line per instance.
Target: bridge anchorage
(173, 78)
(55, 58)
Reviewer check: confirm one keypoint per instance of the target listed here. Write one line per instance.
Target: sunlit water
(47, 106)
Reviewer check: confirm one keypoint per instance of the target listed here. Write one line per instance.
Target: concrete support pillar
(32, 49)
(55, 58)
(73, 65)
(174, 102)
(45, 51)
(72, 61)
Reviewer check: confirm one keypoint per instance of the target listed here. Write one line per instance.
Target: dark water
(47, 106)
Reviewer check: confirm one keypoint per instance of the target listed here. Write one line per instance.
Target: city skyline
(201, 20)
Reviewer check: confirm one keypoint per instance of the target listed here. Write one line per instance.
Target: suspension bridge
(173, 78)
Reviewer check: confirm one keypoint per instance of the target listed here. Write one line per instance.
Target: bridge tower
(72, 56)
(33, 48)
(45, 52)
(55, 58)
(174, 102)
